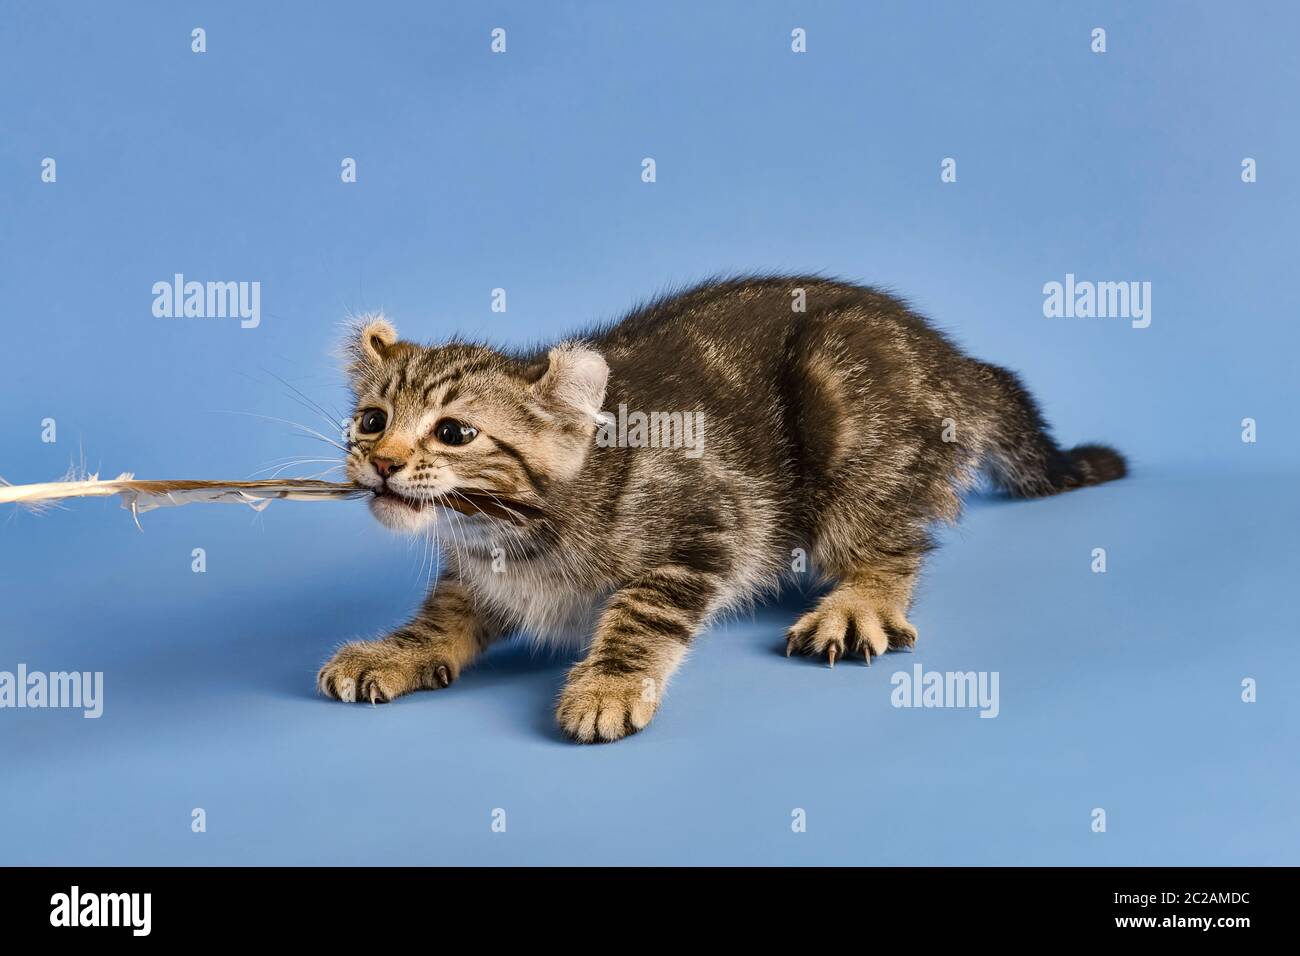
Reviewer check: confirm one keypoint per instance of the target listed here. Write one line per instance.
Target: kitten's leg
(445, 636)
(640, 640)
(865, 614)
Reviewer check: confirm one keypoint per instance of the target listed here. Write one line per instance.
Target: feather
(139, 496)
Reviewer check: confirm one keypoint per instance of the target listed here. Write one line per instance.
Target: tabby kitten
(846, 429)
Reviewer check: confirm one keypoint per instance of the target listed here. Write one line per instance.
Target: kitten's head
(431, 422)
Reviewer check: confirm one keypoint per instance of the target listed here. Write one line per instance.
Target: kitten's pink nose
(386, 466)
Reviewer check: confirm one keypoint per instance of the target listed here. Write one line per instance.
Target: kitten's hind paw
(848, 621)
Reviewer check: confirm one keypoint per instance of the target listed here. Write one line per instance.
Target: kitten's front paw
(849, 620)
(379, 671)
(597, 707)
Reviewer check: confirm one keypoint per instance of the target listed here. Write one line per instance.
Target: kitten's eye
(449, 431)
(373, 421)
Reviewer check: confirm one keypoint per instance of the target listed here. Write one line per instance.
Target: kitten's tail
(1022, 455)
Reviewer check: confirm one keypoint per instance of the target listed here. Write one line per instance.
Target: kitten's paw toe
(596, 707)
(378, 687)
(846, 621)
(818, 635)
(902, 635)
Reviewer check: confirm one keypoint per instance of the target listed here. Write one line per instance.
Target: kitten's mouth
(466, 502)
(393, 497)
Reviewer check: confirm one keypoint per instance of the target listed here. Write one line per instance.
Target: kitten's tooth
(830, 653)
(444, 676)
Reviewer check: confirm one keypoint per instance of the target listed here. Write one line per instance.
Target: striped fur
(840, 433)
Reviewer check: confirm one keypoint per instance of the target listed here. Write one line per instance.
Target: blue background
(522, 171)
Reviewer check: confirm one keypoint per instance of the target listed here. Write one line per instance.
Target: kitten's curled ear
(369, 342)
(571, 382)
